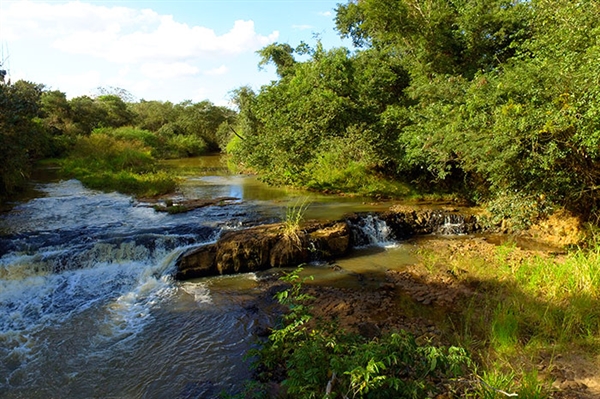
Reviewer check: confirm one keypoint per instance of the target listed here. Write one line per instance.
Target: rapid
(88, 304)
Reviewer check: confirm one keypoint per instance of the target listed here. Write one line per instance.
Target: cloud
(326, 13)
(125, 35)
(222, 70)
(168, 70)
(303, 27)
(79, 84)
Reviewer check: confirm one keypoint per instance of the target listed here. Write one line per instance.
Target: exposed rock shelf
(267, 246)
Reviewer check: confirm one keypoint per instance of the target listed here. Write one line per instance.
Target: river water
(88, 305)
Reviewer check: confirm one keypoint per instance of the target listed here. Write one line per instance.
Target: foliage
(21, 137)
(102, 161)
(319, 360)
(292, 144)
(523, 306)
(482, 97)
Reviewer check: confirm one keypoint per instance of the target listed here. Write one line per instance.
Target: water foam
(372, 231)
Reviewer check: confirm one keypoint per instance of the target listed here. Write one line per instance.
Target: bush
(321, 361)
(101, 161)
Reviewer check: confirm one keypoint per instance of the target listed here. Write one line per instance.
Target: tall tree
(21, 137)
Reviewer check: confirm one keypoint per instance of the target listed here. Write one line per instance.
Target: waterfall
(453, 224)
(370, 230)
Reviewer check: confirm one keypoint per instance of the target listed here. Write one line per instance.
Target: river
(88, 305)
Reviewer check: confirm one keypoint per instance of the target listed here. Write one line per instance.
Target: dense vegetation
(494, 99)
(104, 141)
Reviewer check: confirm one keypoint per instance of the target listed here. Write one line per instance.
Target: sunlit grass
(105, 163)
(523, 305)
(294, 216)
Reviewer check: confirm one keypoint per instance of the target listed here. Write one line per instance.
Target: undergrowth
(524, 308)
(315, 359)
(106, 163)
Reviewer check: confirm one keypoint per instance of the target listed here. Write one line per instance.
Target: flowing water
(88, 307)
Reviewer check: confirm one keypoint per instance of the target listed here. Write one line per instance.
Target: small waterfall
(454, 224)
(370, 230)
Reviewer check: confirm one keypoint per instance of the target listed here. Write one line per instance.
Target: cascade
(370, 230)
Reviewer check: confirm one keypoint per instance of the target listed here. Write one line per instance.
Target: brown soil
(418, 300)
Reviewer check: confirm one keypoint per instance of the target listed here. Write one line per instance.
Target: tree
(21, 136)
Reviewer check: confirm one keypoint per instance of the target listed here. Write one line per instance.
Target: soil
(419, 301)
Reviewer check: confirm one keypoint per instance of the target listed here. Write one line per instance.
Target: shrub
(101, 161)
(326, 362)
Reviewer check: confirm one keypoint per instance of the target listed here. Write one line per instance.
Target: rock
(198, 262)
(264, 247)
(267, 246)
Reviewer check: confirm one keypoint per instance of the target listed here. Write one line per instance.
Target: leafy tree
(87, 114)
(458, 37)
(116, 111)
(21, 135)
(152, 115)
(279, 54)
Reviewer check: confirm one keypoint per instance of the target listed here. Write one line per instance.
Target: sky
(166, 50)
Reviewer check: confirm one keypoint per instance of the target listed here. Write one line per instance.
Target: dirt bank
(428, 300)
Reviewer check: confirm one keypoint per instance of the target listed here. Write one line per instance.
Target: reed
(294, 216)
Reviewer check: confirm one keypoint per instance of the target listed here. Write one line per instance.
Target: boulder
(264, 247)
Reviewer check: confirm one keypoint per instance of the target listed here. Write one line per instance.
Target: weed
(319, 360)
(294, 216)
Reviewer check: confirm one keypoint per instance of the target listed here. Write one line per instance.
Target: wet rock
(268, 246)
(264, 247)
(198, 262)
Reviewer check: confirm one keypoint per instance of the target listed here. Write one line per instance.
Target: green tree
(116, 111)
(21, 135)
(87, 115)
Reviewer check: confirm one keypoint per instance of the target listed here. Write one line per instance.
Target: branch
(236, 133)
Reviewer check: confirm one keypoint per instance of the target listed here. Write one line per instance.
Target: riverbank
(524, 307)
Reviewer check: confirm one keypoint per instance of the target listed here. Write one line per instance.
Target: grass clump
(294, 216)
(103, 162)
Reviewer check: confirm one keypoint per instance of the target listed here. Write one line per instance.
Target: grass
(294, 216)
(524, 306)
(106, 163)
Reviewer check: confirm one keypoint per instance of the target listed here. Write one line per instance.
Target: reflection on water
(208, 177)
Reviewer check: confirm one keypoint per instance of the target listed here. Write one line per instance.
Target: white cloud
(326, 13)
(222, 70)
(125, 35)
(79, 84)
(303, 27)
(161, 70)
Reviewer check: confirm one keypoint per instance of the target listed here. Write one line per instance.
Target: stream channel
(88, 305)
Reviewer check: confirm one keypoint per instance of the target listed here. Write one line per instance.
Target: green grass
(523, 306)
(106, 163)
(294, 216)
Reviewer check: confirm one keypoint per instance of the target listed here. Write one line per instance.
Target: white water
(372, 231)
(88, 307)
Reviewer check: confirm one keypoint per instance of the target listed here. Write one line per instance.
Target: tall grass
(294, 216)
(523, 306)
(104, 162)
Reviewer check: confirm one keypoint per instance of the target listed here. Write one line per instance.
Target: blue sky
(157, 50)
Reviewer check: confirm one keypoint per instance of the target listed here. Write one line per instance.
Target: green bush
(128, 133)
(321, 360)
(103, 162)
